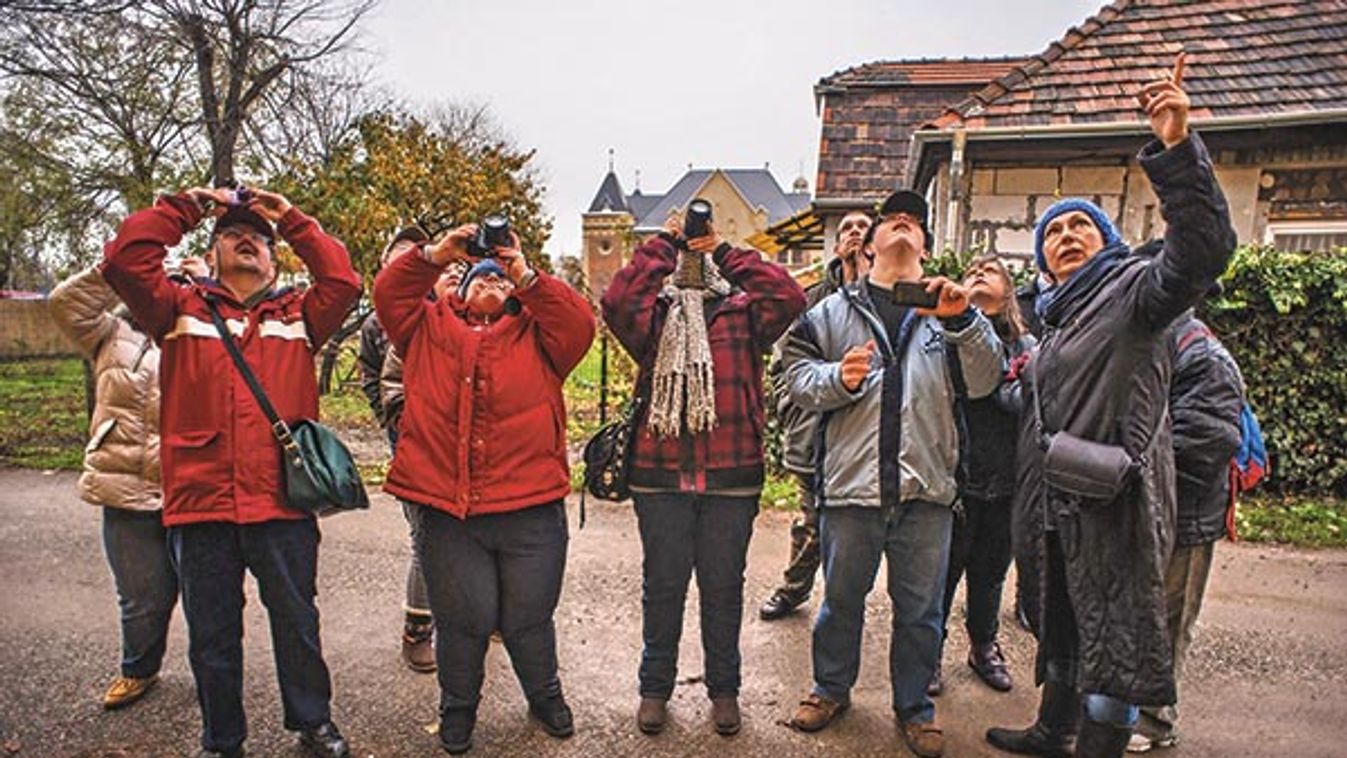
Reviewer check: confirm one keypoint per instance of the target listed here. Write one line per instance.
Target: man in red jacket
(224, 501)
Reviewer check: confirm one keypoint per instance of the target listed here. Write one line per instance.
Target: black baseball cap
(911, 203)
(242, 215)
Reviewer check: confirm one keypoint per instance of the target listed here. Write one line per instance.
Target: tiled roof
(609, 198)
(922, 71)
(1244, 58)
(757, 185)
(870, 112)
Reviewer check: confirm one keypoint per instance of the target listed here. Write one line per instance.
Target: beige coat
(121, 461)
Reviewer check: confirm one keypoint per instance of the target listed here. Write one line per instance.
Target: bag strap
(1044, 437)
(956, 379)
(278, 425)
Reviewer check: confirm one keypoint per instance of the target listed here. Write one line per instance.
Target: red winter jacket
(484, 425)
(220, 460)
(740, 328)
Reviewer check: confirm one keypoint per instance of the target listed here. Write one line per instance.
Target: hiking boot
(554, 716)
(936, 686)
(924, 738)
(126, 690)
(652, 715)
(1100, 740)
(990, 666)
(725, 715)
(325, 741)
(779, 605)
(1141, 743)
(418, 647)
(1053, 734)
(816, 712)
(456, 729)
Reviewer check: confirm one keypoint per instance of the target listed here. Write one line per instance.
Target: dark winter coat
(1104, 367)
(1205, 402)
(370, 360)
(992, 430)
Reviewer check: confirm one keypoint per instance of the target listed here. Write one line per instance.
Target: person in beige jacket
(121, 472)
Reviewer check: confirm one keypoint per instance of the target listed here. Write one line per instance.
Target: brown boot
(418, 647)
(816, 712)
(725, 715)
(652, 715)
(924, 738)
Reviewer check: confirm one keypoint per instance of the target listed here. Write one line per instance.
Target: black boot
(1100, 740)
(1053, 733)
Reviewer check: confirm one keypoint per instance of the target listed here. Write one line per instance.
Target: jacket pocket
(100, 434)
(196, 471)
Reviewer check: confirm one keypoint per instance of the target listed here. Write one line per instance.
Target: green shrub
(1283, 317)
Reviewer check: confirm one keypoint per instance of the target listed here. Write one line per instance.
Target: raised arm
(1199, 239)
(774, 298)
(629, 302)
(400, 297)
(562, 318)
(133, 262)
(79, 305)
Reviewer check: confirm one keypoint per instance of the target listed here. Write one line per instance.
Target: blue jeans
(283, 557)
(501, 571)
(680, 532)
(136, 546)
(914, 539)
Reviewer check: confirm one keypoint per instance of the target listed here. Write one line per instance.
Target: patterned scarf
(684, 376)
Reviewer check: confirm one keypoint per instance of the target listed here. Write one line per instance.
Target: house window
(1313, 236)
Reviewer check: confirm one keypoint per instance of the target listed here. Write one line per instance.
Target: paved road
(1268, 677)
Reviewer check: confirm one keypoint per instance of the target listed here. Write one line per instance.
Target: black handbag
(1081, 467)
(320, 475)
(608, 455)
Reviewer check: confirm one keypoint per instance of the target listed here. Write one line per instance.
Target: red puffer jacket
(484, 426)
(220, 460)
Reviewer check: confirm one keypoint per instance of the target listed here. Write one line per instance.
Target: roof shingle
(1244, 58)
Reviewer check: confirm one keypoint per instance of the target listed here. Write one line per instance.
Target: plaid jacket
(741, 328)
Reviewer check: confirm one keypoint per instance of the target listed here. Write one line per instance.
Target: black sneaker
(325, 741)
(554, 715)
(456, 729)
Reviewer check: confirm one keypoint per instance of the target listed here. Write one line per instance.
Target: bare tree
(243, 48)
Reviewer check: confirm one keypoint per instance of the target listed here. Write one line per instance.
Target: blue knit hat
(487, 266)
(1101, 220)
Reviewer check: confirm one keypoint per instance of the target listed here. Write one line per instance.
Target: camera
(240, 196)
(492, 232)
(697, 219)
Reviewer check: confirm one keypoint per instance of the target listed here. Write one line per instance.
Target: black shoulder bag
(320, 474)
(1077, 466)
(608, 453)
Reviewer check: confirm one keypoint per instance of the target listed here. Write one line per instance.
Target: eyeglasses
(235, 233)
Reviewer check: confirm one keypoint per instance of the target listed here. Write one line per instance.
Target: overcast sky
(714, 83)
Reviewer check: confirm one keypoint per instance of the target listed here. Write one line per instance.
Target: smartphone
(914, 294)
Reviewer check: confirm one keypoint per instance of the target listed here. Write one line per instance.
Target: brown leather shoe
(925, 739)
(725, 715)
(126, 690)
(418, 647)
(652, 715)
(816, 712)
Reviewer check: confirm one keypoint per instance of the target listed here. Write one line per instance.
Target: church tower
(606, 233)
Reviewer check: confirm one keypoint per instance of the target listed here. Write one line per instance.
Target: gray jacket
(895, 438)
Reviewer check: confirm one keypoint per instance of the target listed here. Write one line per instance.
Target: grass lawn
(43, 423)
